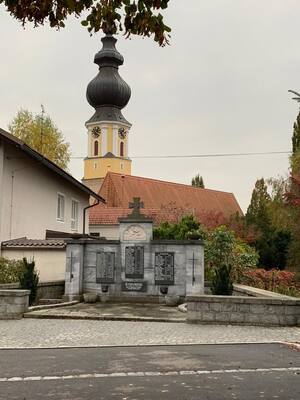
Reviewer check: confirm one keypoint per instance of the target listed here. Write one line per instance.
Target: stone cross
(136, 205)
(193, 268)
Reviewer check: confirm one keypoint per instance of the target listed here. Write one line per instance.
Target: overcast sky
(221, 87)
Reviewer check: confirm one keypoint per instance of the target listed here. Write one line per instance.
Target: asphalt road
(216, 372)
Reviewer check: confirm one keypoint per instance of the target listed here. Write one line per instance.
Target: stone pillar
(136, 233)
(1, 188)
(194, 269)
(74, 271)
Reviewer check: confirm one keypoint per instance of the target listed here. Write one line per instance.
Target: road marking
(146, 373)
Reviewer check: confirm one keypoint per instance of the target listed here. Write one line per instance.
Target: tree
(29, 280)
(223, 248)
(296, 135)
(278, 211)
(222, 283)
(40, 133)
(257, 211)
(142, 17)
(197, 181)
(293, 199)
(267, 215)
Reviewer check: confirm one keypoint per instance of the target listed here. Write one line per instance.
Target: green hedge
(10, 270)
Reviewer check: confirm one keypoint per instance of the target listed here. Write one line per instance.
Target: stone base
(243, 310)
(13, 303)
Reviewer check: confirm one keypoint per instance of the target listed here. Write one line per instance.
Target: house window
(74, 215)
(96, 147)
(122, 149)
(60, 207)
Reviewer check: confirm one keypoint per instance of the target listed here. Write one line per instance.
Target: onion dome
(108, 93)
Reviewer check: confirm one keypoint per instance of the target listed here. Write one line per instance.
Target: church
(107, 167)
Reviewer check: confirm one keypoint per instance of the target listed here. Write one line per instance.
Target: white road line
(147, 373)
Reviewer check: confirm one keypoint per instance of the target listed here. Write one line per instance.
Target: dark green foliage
(29, 279)
(10, 270)
(187, 228)
(257, 211)
(222, 282)
(198, 181)
(266, 215)
(142, 17)
(296, 136)
(293, 200)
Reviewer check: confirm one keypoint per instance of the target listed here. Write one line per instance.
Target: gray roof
(14, 141)
(34, 243)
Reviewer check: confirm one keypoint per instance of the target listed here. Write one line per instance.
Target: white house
(37, 196)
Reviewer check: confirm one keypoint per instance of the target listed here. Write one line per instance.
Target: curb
(104, 346)
(47, 306)
(104, 318)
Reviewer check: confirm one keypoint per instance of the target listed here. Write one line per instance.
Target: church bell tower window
(96, 148)
(122, 149)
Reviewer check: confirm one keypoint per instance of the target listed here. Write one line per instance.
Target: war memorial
(135, 267)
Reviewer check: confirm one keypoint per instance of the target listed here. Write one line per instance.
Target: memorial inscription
(134, 286)
(134, 262)
(105, 267)
(164, 268)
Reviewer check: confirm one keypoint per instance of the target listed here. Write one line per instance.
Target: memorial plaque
(164, 268)
(134, 286)
(134, 262)
(105, 267)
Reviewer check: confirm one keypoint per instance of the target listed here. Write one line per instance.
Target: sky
(220, 87)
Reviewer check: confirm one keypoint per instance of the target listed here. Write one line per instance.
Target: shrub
(29, 279)
(283, 282)
(222, 281)
(10, 270)
(187, 228)
(222, 247)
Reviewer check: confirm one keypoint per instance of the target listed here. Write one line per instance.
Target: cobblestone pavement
(52, 333)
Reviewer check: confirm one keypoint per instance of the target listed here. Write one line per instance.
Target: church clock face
(122, 133)
(96, 131)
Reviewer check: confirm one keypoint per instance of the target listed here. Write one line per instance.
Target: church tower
(107, 129)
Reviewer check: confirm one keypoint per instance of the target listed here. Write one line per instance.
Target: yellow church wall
(98, 167)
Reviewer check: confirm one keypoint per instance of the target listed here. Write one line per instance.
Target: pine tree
(296, 136)
(198, 182)
(267, 238)
(293, 205)
(257, 212)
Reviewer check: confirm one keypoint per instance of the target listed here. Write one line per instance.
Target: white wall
(28, 204)
(51, 264)
(107, 231)
(1, 184)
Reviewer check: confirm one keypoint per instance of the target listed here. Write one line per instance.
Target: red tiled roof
(163, 200)
(36, 243)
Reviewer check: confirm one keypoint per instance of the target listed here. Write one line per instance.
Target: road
(189, 372)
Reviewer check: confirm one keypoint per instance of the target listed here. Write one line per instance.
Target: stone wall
(243, 310)
(13, 303)
(51, 290)
(46, 290)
